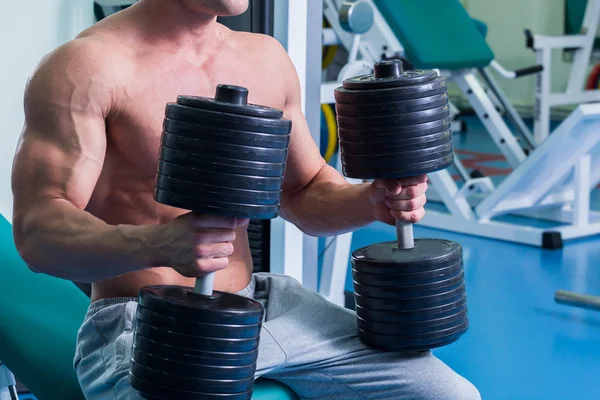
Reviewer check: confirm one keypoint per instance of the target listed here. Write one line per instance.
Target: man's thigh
(103, 351)
(323, 358)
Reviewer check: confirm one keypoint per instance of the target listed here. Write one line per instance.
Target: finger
(392, 185)
(409, 192)
(406, 205)
(409, 216)
(379, 183)
(200, 221)
(241, 222)
(215, 235)
(214, 250)
(205, 266)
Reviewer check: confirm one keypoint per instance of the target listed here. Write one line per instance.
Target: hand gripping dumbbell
(410, 293)
(218, 156)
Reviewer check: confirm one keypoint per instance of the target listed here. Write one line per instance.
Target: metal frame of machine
(582, 46)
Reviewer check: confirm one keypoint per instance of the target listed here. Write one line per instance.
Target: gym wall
(30, 32)
(507, 20)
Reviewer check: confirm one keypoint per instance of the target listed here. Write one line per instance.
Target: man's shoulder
(89, 56)
(259, 44)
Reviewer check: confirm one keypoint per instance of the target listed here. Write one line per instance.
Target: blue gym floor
(520, 345)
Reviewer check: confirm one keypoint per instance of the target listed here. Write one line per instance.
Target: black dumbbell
(409, 293)
(218, 156)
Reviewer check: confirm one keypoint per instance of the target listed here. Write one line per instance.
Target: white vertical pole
(541, 115)
(298, 26)
(582, 191)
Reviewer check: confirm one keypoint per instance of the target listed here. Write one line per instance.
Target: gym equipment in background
(410, 294)
(474, 205)
(8, 384)
(218, 156)
(581, 45)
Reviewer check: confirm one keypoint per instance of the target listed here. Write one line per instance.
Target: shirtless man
(84, 211)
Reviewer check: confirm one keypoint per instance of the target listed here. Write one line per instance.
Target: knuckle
(202, 265)
(223, 262)
(201, 251)
(414, 217)
(232, 235)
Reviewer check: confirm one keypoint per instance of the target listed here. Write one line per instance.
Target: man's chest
(137, 128)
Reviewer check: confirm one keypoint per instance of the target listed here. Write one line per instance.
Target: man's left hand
(402, 199)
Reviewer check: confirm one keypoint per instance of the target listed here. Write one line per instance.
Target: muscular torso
(154, 76)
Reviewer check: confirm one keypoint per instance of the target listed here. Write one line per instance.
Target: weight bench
(39, 319)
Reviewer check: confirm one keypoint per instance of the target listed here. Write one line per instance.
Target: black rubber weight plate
(214, 178)
(198, 166)
(394, 133)
(226, 136)
(394, 94)
(420, 314)
(413, 328)
(407, 78)
(397, 146)
(378, 108)
(408, 278)
(182, 302)
(217, 193)
(216, 119)
(191, 356)
(368, 160)
(412, 342)
(451, 296)
(205, 148)
(191, 327)
(398, 172)
(197, 343)
(426, 255)
(207, 103)
(202, 206)
(191, 384)
(398, 120)
(151, 390)
(201, 371)
(403, 292)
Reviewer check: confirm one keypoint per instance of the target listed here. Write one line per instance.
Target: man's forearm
(328, 205)
(63, 241)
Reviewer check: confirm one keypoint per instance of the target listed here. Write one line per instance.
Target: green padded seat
(39, 320)
(436, 33)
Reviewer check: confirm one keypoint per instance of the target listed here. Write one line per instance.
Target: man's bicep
(61, 149)
(304, 158)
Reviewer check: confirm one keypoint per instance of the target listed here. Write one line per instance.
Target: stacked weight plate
(409, 294)
(186, 347)
(222, 158)
(414, 301)
(259, 238)
(218, 156)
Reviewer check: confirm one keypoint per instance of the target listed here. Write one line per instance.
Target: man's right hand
(195, 244)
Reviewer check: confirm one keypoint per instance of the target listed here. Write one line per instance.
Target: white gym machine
(581, 45)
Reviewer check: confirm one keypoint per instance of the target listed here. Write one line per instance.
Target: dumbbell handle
(404, 232)
(205, 284)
